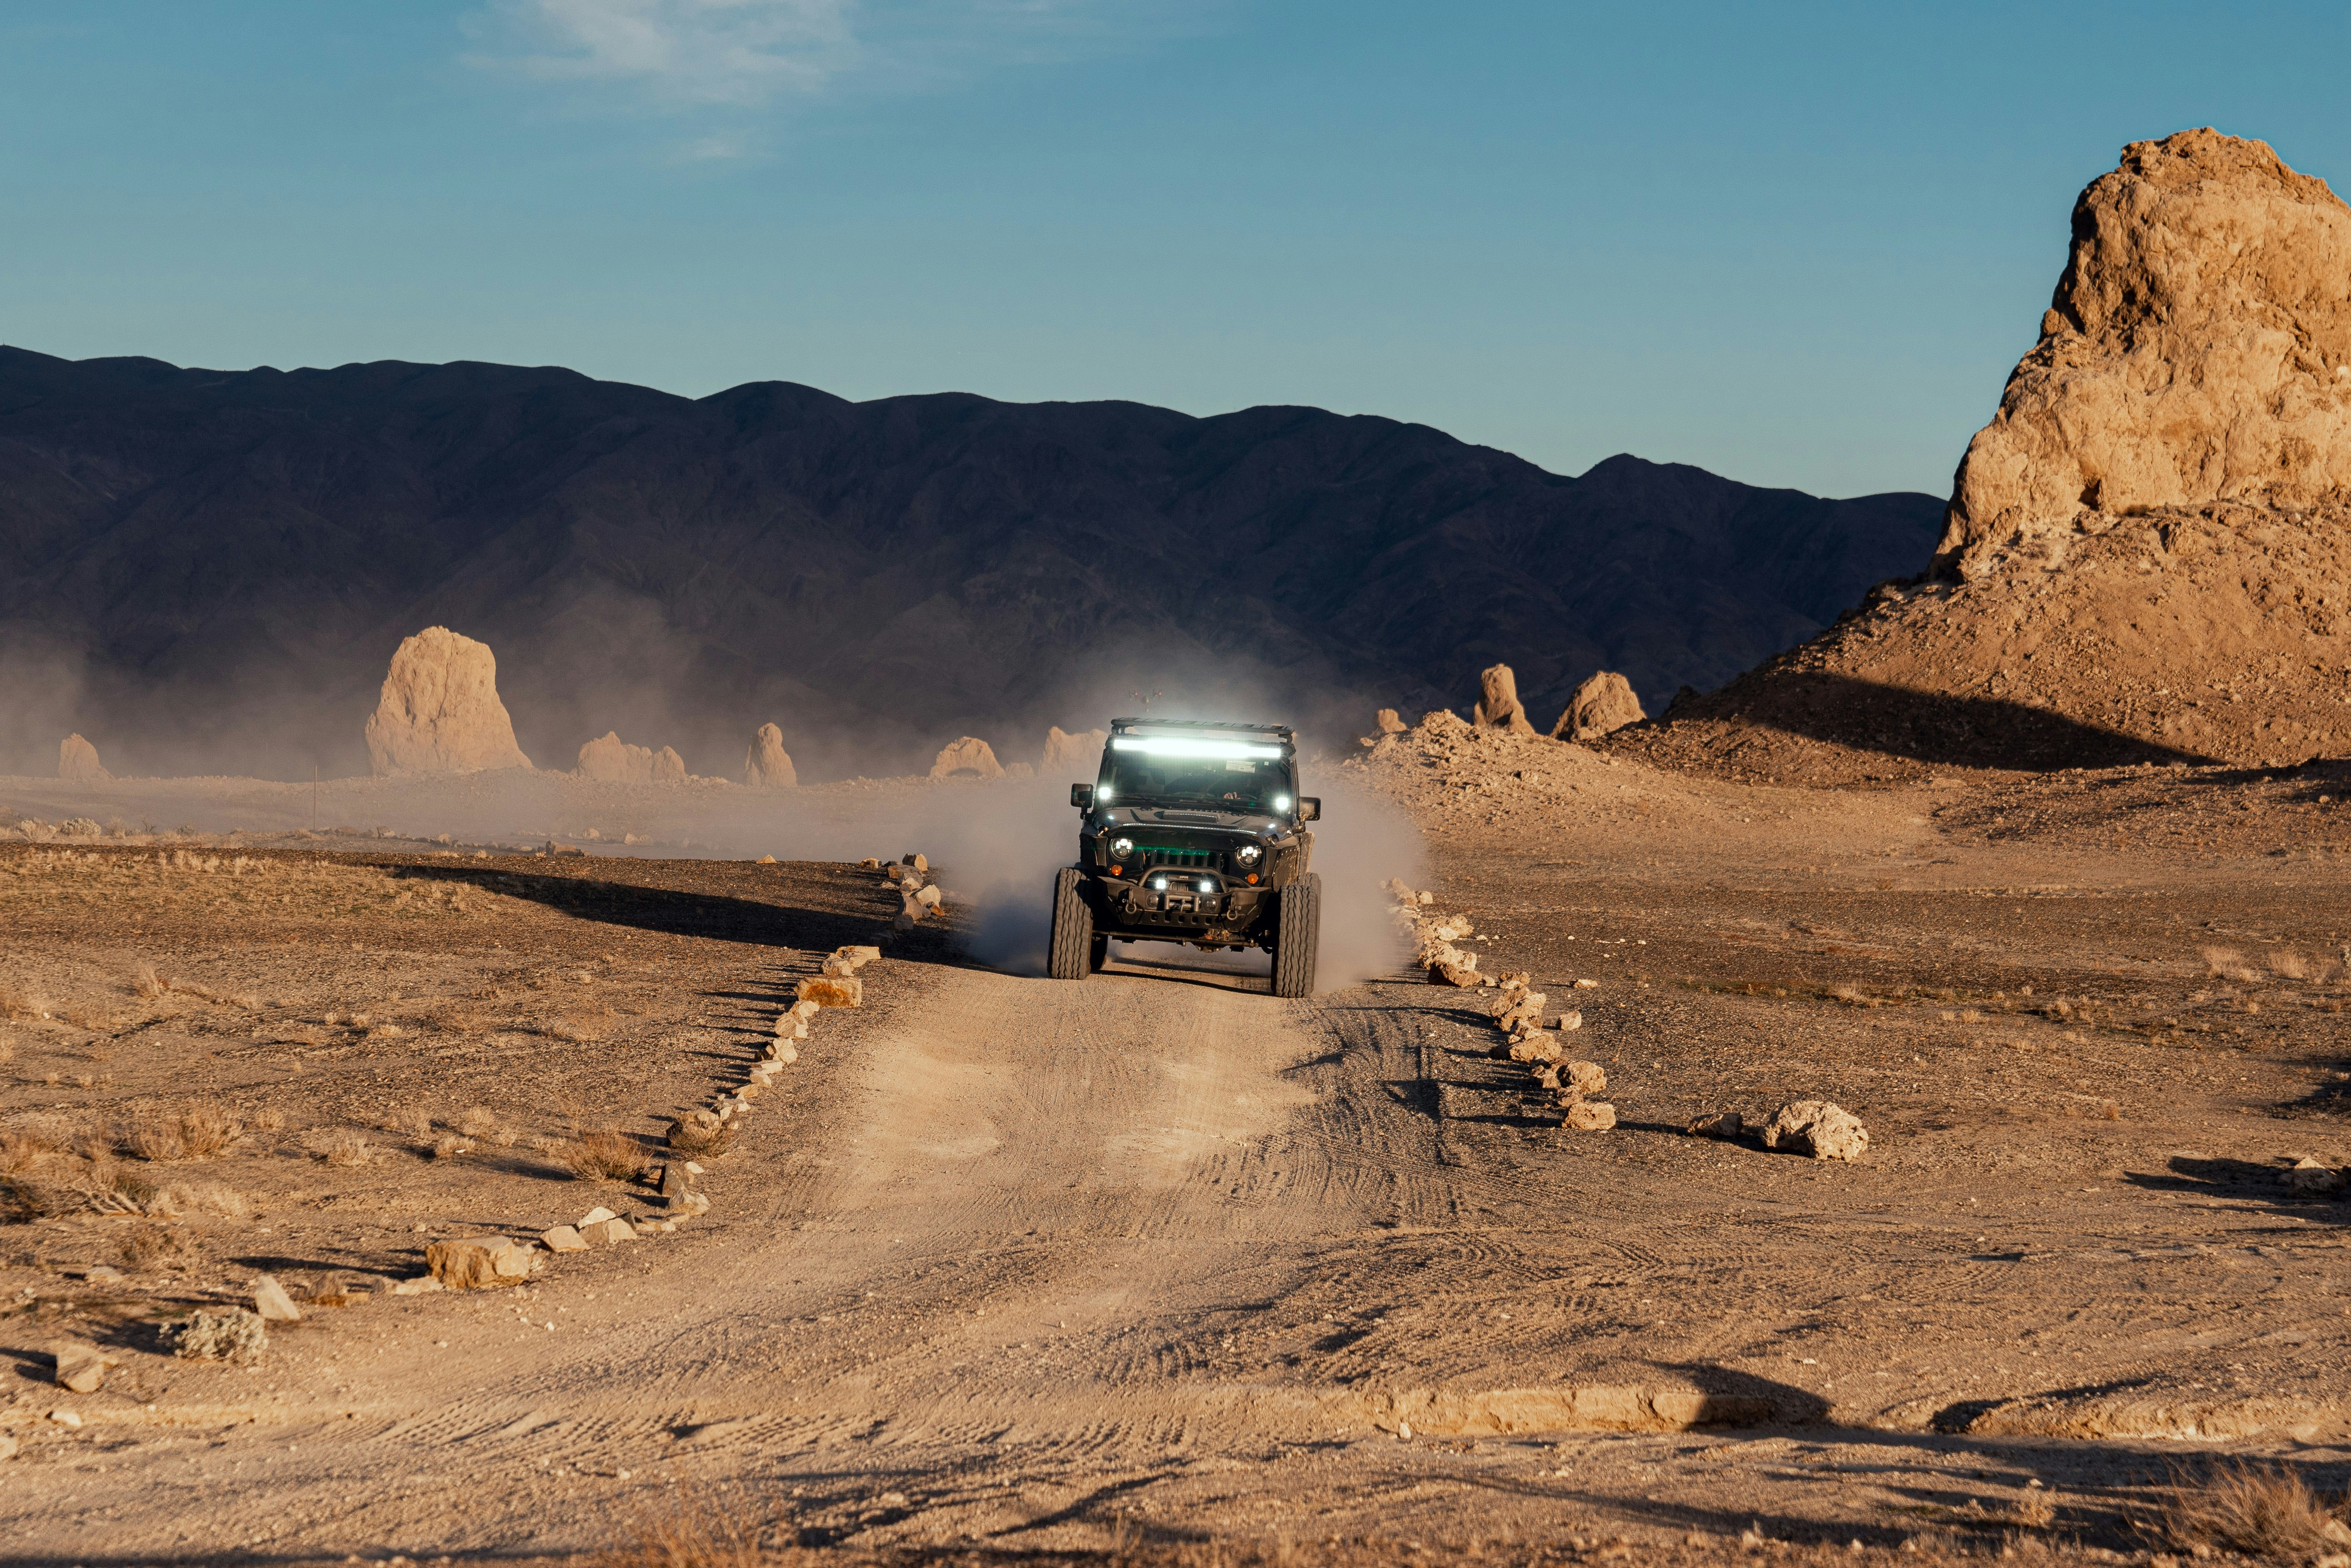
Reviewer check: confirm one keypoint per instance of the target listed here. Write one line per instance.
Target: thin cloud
(732, 64)
(677, 55)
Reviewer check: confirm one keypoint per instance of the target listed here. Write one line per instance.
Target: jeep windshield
(1221, 775)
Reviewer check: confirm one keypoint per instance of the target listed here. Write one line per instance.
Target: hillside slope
(208, 570)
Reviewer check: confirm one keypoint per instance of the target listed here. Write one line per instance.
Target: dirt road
(1024, 1263)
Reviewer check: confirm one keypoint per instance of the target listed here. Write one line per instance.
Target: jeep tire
(1297, 935)
(1070, 954)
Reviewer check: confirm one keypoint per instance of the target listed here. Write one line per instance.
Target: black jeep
(1192, 833)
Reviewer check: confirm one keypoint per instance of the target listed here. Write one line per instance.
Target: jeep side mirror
(1082, 796)
(1310, 808)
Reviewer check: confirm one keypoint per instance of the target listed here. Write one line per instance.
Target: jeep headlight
(1248, 854)
(1122, 847)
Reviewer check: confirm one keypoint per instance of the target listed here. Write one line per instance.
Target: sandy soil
(1024, 1266)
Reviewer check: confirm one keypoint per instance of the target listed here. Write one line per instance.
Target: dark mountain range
(207, 571)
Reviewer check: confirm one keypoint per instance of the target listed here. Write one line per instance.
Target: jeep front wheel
(1297, 935)
(1070, 954)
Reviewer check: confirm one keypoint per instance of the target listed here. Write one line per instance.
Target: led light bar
(1170, 746)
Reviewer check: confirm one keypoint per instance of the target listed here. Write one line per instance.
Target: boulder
(1582, 1078)
(832, 990)
(1498, 702)
(2197, 348)
(79, 1367)
(1587, 1117)
(1077, 756)
(78, 760)
(478, 1262)
(668, 766)
(1387, 723)
(1723, 1124)
(2314, 1177)
(767, 766)
(1819, 1128)
(439, 711)
(969, 758)
(1605, 702)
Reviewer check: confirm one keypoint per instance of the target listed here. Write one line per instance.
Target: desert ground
(1155, 1263)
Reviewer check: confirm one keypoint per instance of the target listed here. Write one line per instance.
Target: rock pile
(77, 762)
(1079, 756)
(609, 759)
(920, 897)
(767, 766)
(969, 758)
(439, 711)
(229, 1334)
(1574, 1085)
(1498, 702)
(1434, 936)
(1603, 704)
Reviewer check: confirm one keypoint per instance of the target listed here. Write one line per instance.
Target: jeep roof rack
(1185, 725)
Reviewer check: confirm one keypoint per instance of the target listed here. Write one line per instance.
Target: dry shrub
(21, 1148)
(449, 1145)
(21, 1006)
(2254, 1509)
(201, 1197)
(2228, 964)
(457, 1017)
(146, 982)
(269, 1119)
(148, 1245)
(604, 1154)
(700, 1133)
(479, 1122)
(696, 1530)
(339, 1146)
(2287, 964)
(23, 1201)
(202, 1130)
(2035, 1511)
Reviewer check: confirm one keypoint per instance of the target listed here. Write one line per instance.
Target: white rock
(439, 711)
(270, 1300)
(563, 1239)
(595, 1217)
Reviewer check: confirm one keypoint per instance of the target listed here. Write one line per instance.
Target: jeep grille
(1152, 855)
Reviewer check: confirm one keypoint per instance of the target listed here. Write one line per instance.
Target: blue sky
(1798, 244)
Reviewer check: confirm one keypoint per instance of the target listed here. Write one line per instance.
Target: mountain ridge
(213, 567)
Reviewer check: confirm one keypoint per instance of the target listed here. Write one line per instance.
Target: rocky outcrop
(1604, 703)
(2198, 349)
(768, 766)
(440, 711)
(609, 759)
(969, 758)
(1498, 702)
(2147, 550)
(1079, 754)
(77, 762)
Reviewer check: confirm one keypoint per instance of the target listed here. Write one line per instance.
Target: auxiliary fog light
(1208, 887)
(1282, 802)
(1160, 883)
